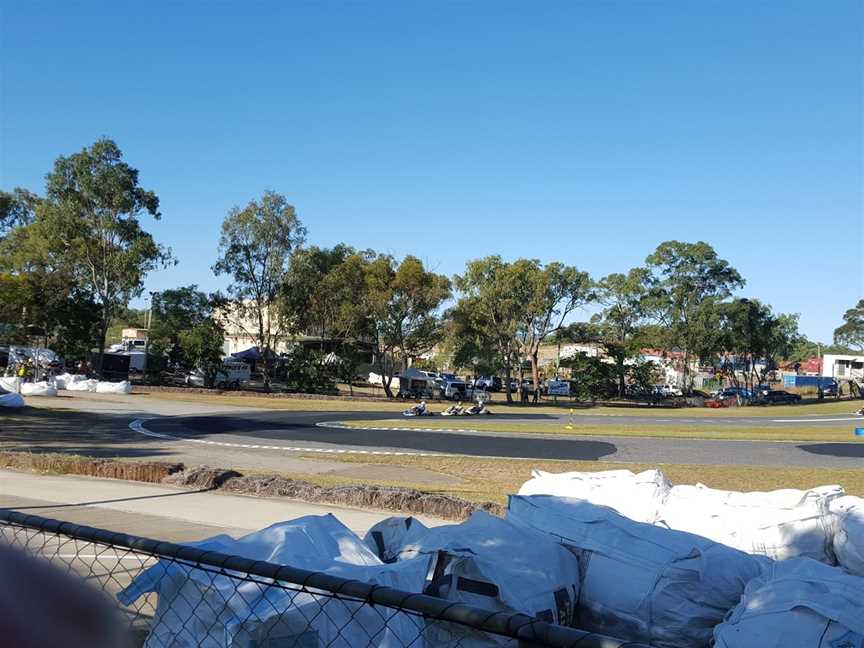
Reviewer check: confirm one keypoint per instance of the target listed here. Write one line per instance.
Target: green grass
(668, 431)
(480, 480)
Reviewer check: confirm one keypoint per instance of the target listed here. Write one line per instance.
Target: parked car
(488, 383)
(780, 396)
(232, 376)
(667, 391)
(456, 390)
(830, 389)
(734, 393)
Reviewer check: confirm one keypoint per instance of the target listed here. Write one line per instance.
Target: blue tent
(252, 354)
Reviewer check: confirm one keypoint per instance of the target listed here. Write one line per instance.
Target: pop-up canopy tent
(252, 354)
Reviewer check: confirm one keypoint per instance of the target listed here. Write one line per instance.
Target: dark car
(829, 389)
(780, 396)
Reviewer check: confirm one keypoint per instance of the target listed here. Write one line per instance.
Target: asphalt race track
(298, 431)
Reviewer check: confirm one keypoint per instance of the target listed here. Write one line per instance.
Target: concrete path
(163, 512)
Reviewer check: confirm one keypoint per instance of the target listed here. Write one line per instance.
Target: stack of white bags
(69, 382)
(812, 596)
(73, 382)
(740, 570)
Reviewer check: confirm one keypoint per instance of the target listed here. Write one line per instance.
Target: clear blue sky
(586, 132)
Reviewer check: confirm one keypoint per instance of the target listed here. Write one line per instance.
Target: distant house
(810, 367)
(843, 367)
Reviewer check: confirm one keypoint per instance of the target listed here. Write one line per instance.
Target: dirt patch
(201, 477)
(403, 500)
(50, 462)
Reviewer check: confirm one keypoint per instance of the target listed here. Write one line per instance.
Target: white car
(667, 390)
(232, 376)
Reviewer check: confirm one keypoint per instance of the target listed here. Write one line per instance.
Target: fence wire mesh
(175, 595)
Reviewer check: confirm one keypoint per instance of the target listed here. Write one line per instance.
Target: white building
(844, 367)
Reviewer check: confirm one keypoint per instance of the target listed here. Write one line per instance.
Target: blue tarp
(252, 354)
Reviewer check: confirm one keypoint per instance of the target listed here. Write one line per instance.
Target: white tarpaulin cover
(199, 608)
(799, 603)
(387, 538)
(10, 383)
(636, 496)
(780, 524)
(848, 522)
(38, 389)
(495, 564)
(642, 582)
(122, 387)
(40, 357)
(11, 400)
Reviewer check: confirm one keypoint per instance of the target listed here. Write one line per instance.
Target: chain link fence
(211, 599)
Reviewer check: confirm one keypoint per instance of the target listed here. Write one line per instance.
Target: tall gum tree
(548, 295)
(255, 249)
(403, 302)
(623, 297)
(689, 280)
(90, 218)
(487, 315)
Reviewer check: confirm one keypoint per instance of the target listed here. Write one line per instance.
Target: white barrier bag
(636, 496)
(10, 383)
(11, 400)
(122, 387)
(66, 380)
(38, 389)
(848, 522)
(779, 524)
(490, 563)
(200, 608)
(86, 385)
(387, 537)
(641, 582)
(799, 603)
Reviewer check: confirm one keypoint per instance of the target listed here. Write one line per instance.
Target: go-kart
(458, 410)
(417, 411)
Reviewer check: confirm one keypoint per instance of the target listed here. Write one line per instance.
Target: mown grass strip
(655, 430)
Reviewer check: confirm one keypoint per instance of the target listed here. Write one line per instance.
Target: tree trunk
(103, 333)
(621, 386)
(385, 379)
(507, 376)
(535, 372)
(521, 388)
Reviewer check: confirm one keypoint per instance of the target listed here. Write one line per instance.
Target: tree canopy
(88, 224)
(851, 332)
(255, 249)
(403, 303)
